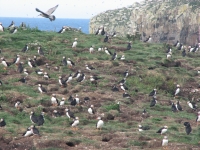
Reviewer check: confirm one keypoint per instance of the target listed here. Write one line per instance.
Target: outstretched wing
(40, 11)
(51, 10)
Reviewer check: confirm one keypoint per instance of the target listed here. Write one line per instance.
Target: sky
(84, 9)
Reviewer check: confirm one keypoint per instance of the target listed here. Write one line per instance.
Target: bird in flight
(48, 13)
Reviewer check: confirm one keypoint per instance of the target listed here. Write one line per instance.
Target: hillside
(165, 20)
(148, 69)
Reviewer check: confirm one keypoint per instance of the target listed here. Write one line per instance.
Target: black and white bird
(177, 44)
(184, 53)
(70, 63)
(91, 49)
(106, 39)
(17, 105)
(33, 117)
(62, 102)
(69, 114)
(25, 49)
(62, 30)
(23, 80)
(20, 67)
(91, 110)
(34, 130)
(26, 72)
(40, 51)
(192, 105)
(1, 27)
(5, 63)
(77, 74)
(75, 123)
(17, 59)
(28, 132)
(48, 13)
(122, 57)
(46, 76)
(114, 56)
(39, 71)
(14, 30)
(165, 142)
(169, 55)
(173, 107)
(2, 123)
(123, 87)
(153, 93)
(162, 130)
(64, 61)
(125, 74)
(114, 88)
(148, 40)
(123, 81)
(177, 91)
(54, 100)
(99, 124)
(188, 127)
(126, 95)
(142, 128)
(107, 51)
(69, 78)
(89, 67)
(129, 46)
(198, 118)
(178, 106)
(56, 114)
(61, 81)
(153, 102)
(41, 89)
(31, 63)
(12, 25)
(74, 44)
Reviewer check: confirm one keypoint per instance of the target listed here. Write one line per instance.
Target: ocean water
(45, 24)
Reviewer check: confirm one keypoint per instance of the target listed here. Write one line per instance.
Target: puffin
(34, 130)
(126, 95)
(165, 142)
(75, 123)
(106, 39)
(77, 99)
(177, 90)
(125, 74)
(23, 80)
(1, 27)
(153, 102)
(107, 51)
(188, 127)
(184, 53)
(123, 81)
(91, 110)
(91, 49)
(20, 68)
(178, 106)
(77, 74)
(62, 30)
(33, 117)
(62, 82)
(198, 118)
(173, 108)
(142, 128)
(122, 57)
(14, 30)
(192, 105)
(74, 44)
(26, 72)
(99, 124)
(114, 56)
(81, 78)
(31, 63)
(148, 40)
(169, 55)
(62, 102)
(40, 119)
(17, 105)
(28, 132)
(69, 78)
(89, 67)
(64, 61)
(39, 71)
(12, 25)
(103, 31)
(25, 48)
(114, 88)
(41, 89)
(70, 63)
(97, 32)
(40, 51)
(2, 123)
(54, 100)
(69, 114)
(153, 93)
(56, 114)
(162, 130)
(123, 87)
(176, 44)
(46, 76)
(16, 60)
(6, 64)
(70, 98)
(128, 46)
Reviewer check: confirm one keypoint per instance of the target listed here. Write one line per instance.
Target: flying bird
(48, 13)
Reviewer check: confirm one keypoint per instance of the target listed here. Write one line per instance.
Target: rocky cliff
(165, 20)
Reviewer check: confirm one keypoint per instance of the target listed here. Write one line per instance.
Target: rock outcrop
(165, 20)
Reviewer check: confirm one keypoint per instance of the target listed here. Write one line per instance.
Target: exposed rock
(165, 20)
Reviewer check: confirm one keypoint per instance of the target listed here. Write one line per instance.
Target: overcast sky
(66, 9)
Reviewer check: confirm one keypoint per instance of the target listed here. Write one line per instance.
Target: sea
(45, 24)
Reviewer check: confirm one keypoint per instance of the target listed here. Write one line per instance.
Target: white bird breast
(76, 122)
(163, 131)
(165, 142)
(100, 123)
(40, 89)
(28, 133)
(74, 44)
(53, 99)
(4, 63)
(90, 111)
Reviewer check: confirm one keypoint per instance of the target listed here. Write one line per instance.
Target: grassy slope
(138, 60)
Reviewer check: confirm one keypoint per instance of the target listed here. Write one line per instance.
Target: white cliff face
(165, 20)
